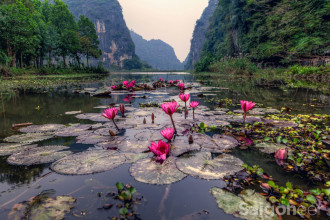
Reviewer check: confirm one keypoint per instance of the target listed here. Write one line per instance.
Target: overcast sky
(172, 21)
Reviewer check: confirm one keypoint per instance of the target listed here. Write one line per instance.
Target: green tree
(88, 38)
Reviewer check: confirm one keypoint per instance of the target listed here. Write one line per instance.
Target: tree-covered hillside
(268, 32)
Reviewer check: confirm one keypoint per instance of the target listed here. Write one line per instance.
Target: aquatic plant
(161, 79)
(110, 114)
(246, 106)
(168, 133)
(169, 108)
(125, 195)
(161, 149)
(288, 195)
(113, 87)
(170, 81)
(125, 83)
(181, 86)
(194, 105)
(122, 110)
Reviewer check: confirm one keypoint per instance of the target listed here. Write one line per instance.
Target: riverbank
(38, 82)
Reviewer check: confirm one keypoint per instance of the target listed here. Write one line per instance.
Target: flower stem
(193, 113)
(115, 124)
(185, 110)
(173, 124)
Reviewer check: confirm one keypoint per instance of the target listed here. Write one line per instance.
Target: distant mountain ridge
(201, 28)
(156, 53)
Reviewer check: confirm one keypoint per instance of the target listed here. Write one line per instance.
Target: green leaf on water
(278, 139)
(123, 211)
(311, 199)
(284, 140)
(326, 192)
(285, 202)
(272, 184)
(289, 186)
(132, 190)
(315, 191)
(299, 191)
(267, 139)
(119, 186)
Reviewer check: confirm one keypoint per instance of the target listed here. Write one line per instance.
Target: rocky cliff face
(199, 35)
(156, 53)
(115, 41)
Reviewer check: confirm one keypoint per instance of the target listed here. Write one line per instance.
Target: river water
(187, 199)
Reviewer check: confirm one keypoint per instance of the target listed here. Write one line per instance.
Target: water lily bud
(112, 133)
(191, 140)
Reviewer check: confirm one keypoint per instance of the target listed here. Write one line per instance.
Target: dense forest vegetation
(38, 33)
(268, 32)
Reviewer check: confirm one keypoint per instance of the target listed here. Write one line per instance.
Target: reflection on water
(183, 199)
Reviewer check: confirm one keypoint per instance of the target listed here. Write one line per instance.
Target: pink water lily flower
(246, 106)
(122, 109)
(125, 83)
(113, 87)
(130, 85)
(161, 149)
(181, 86)
(161, 79)
(170, 81)
(194, 105)
(169, 108)
(281, 154)
(168, 133)
(110, 114)
(184, 97)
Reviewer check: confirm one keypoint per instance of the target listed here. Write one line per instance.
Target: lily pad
(11, 148)
(181, 146)
(150, 171)
(73, 112)
(134, 146)
(39, 155)
(215, 144)
(224, 142)
(112, 142)
(92, 139)
(42, 128)
(44, 208)
(281, 123)
(74, 130)
(93, 161)
(28, 138)
(249, 119)
(92, 117)
(249, 205)
(202, 165)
